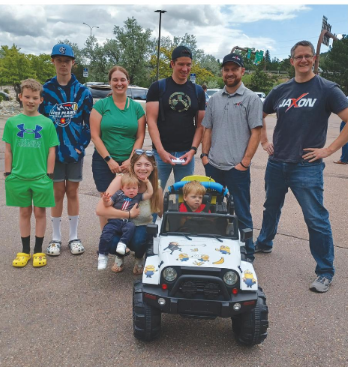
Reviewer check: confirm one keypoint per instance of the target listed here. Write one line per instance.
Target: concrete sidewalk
(69, 314)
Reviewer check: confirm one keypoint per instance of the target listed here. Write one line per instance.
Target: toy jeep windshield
(196, 267)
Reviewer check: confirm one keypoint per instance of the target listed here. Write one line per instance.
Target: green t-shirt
(30, 138)
(119, 127)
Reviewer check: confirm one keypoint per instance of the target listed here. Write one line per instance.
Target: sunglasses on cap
(149, 153)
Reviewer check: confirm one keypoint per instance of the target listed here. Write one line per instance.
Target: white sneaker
(53, 248)
(102, 261)
(121, 248)
(76, 247)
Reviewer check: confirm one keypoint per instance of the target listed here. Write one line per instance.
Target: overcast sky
(218, 28)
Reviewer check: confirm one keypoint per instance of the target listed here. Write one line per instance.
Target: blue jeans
(306, 182)
(180, 171)
(117, 227)
(344, 156)
(238, 184)
(138, 243)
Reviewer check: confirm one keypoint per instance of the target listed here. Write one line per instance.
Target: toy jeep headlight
(230, 278)
(169, 274)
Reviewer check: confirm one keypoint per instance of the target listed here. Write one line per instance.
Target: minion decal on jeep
(172, 247)
(183, 257)
(249, 279)
(149, 271)
(224, 250)
(204, 258)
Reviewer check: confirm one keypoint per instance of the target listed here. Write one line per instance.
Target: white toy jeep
(196, 268)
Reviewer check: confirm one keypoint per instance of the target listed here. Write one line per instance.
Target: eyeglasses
(307, 57)
(149, 153)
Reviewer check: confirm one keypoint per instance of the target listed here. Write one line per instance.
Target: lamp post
(90, 27)
(159, 38)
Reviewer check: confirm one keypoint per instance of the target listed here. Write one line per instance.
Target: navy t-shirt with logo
(303, 111)
(180, 106)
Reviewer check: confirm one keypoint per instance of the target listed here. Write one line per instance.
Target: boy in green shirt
(29, 162)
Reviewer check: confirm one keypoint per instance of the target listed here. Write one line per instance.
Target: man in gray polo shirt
(233, 122)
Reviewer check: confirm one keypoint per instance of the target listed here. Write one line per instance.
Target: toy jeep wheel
(251, 328)
(146, 319)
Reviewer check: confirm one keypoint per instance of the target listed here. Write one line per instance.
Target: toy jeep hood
(200, 252)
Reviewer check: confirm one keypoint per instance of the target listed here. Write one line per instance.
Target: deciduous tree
(133, 45)
(336, 61)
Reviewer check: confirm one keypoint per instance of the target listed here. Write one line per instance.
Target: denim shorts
(68, 171)
(101, 172)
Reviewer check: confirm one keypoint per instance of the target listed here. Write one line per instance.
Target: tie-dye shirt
(69, 108)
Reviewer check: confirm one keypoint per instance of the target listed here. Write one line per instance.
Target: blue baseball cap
(62, 50)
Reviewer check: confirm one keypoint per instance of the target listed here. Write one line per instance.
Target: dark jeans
(238, 184)
(115, 227)
(306, 182)
(344, 156)
(138, 243)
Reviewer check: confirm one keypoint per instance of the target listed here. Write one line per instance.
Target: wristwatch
(6, 174)
(194, 148)
(50, 175)
(107, 158)
(203, 155)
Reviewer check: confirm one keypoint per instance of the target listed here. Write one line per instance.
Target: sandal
(119, 265)
(21, 260)
(39, 260)
(117, 269)
(138, 269)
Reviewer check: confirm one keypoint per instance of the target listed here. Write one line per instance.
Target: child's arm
(51, 159)
(8, 158)
(107, 199)
(149, 190)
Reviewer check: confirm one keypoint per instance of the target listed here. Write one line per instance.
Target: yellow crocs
(39, 259)
(21, 260)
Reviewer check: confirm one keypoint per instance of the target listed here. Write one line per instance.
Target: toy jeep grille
(191, 288)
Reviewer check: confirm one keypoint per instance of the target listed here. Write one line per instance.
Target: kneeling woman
(143, 166)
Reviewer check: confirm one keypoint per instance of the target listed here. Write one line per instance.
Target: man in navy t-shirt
(303, 106)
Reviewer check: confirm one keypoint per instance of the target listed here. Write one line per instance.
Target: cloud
(22, 20)
(217, 27)
(254, 13)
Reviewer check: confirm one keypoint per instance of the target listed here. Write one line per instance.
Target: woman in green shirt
(117, 129)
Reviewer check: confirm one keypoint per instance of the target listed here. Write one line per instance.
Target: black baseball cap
(237, 59)
(181, 51)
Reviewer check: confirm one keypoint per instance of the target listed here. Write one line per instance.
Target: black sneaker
(258, 248)
(321, 284)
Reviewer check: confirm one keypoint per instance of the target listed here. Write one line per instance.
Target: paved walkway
(69, 314)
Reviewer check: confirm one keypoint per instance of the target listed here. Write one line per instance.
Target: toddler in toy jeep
(193, 193)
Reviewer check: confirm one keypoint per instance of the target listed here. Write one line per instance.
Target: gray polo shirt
(231, 118)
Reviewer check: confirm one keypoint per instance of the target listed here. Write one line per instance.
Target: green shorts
(24, 193)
